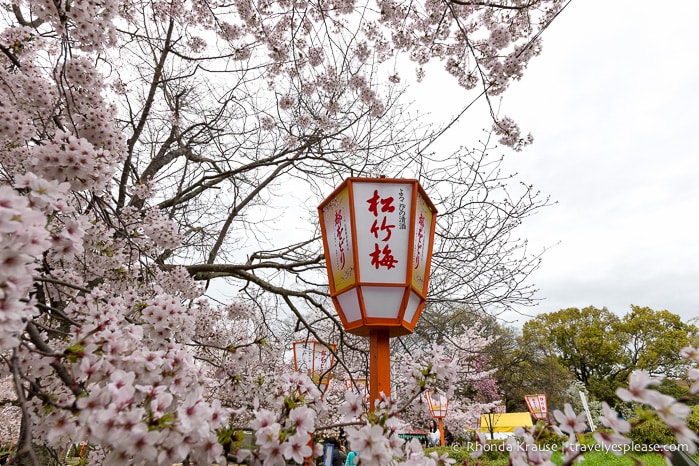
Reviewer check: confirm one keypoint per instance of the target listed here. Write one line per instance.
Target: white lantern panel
(349, 303)
(382, 301)
(413, 303)
(421, 238)
(313, 357)
(382, 221)
(336, 220)
(439, 404)
(303, 353)
(323, 360)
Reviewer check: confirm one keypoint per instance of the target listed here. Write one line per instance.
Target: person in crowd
(338, 455)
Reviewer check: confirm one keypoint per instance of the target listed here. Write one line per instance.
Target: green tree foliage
(654, 339)
(601, 349)
(584, 341)
(521, 369)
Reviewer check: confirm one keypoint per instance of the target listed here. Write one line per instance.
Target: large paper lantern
(378, 235)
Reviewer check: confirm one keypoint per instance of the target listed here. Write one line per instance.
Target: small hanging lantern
(438, 404)
(315, 359)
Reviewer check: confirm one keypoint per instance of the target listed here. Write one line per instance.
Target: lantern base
(394, 331)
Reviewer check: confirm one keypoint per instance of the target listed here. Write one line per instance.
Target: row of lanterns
(317, 360)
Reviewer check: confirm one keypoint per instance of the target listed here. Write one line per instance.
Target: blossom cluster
(430, 368)
(510, 134)
(488, 46)
(672, 412)
(376, 440)
(285, 433)
(126, 393)
(91, 116)
(74, 160)
(160, 229)
(114, 347)
(88, 23)
(24, 239)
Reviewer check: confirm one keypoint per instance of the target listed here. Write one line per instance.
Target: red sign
(537, 406)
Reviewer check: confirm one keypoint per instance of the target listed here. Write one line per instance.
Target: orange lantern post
(438, 404)
(377, 237)
(316, 360)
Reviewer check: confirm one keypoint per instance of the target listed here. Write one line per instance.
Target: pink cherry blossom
(612, 420)
(611, 439)
(568, 421)
(672, 412)
(302, 419)
(297, 447)
(371, 444)
(685, 437)
(690, 353)
(693, 375)
(638, 383)
(353, 406)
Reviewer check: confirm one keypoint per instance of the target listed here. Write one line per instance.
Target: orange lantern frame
(381, 289)
(538, 406)
(317, 361)
(438, 404)
(378, 235)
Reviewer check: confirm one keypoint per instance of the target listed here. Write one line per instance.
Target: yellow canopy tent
(504, 424)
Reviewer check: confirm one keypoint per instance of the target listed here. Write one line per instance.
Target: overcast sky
(613, 104)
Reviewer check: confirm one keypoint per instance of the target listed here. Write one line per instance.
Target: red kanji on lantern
(340, 237)
(383, 258)
(375, 229)
(386, 203)
(420, 239)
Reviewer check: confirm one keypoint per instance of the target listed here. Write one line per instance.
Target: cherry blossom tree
(158, 156)
(471, 391)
